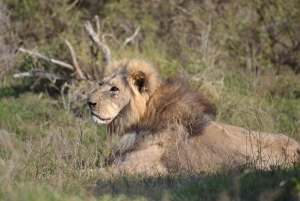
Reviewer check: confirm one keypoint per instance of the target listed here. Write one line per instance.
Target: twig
(72, 5)
(75, 63)
(100, 45)
(183, 10)
(125, 27)
(63, 64)
(37, 81)
(40, 74)
(97, 25)
(112, 37)
(63, 96)
(127, 40)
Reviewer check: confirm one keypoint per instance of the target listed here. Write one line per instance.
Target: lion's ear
(141, 81)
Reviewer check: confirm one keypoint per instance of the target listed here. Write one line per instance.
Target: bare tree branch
(75, 63)
(72, 5)
(97, 25)
(100, 45)
(125, 27)
(40, 74)
(127, 40)
(60, 63)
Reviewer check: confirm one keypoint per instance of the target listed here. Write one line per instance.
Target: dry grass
(50, 151)
(60, 157)
(8, 42)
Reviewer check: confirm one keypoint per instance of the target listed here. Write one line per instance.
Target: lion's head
(122, 96)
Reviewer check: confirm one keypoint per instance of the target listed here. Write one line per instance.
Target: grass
(48, 153)
(239, 53)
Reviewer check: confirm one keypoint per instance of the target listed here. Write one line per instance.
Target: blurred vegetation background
(244, 55)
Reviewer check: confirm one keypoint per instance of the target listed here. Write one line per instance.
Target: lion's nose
(91, 104)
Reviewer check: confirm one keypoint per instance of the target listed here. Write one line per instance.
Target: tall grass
(243, 55)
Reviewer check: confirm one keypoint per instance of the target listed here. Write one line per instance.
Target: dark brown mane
(176, 102)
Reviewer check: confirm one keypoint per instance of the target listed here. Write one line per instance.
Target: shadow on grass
(16, 87)
(237, 184)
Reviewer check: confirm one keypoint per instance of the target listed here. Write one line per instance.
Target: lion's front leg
(124, 143)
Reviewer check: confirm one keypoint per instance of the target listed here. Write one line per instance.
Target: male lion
(165, 126)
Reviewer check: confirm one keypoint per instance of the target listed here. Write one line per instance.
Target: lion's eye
(114, 89)
(100, 84)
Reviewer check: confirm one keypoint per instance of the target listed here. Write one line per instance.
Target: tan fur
(165, 126)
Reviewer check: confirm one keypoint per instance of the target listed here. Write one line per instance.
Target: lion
(166, 126)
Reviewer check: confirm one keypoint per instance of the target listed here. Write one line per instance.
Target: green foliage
(42, 21)
(244, 55)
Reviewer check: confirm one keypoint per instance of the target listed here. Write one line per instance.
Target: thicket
(256, 35)
(245, 48)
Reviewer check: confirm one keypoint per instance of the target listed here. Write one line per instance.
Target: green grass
(239, 53)
(48, 153)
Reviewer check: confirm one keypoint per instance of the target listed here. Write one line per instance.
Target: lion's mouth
(96, 118)
(100, 118)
